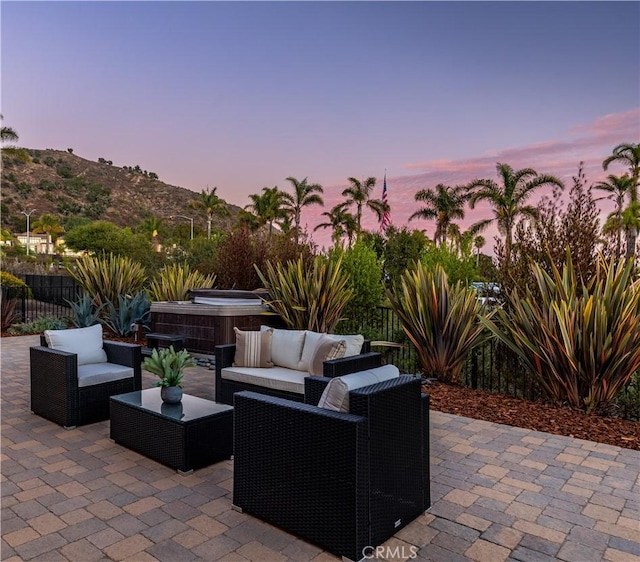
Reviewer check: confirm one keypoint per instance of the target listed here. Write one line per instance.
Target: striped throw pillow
(326, 350)
(253, 349)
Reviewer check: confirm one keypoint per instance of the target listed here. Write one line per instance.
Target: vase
(171, 394)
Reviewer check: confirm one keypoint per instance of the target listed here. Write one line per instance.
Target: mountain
(60, 183)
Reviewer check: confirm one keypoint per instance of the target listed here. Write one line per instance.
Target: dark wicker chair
(344, 481)
(55, 394)
(225, 389)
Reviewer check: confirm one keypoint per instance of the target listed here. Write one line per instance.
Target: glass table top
(188, 409)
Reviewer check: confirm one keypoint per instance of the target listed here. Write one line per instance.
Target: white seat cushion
(86, 343)
(336, 393)
(354, 343)
(98, 373)
(278, 378)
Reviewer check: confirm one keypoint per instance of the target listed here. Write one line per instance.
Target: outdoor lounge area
(497, 493)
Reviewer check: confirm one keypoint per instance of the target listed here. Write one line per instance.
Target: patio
(498, 493)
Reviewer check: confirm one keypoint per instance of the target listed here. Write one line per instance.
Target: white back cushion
(354, 343)
(85, 342)
(311, 341)
(286, 347)
(336, 393)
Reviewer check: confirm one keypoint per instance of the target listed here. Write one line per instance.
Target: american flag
(386, 216)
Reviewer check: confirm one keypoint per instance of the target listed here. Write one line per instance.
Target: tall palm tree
(267, 207)
(509, 200)
(50, 225)
(478, 242)
(618, 188)
(212, 205)
(629, 154)
(7, 133)
(341, 221)
(359, 194)
(151, 226)
(304, 194)
(444, 203)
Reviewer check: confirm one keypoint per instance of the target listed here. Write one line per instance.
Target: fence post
(474, 368)
(23, 302)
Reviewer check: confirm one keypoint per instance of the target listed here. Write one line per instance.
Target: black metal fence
(45, 295)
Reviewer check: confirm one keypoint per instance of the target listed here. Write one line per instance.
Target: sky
(240, 95)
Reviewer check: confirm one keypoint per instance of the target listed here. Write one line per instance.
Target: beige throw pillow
(253, 349)
(325, 350)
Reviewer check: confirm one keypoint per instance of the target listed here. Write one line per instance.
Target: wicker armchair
(55, 394)
(344, 481)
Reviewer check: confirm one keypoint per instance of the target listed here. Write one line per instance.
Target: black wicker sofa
(344, 481)
(225, 388)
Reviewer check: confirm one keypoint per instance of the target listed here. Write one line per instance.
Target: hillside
(60, 183)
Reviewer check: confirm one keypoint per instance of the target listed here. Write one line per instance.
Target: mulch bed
(538, 416)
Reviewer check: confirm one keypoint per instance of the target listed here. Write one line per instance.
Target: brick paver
(499, 493)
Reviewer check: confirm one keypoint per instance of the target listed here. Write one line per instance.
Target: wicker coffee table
(184, 436)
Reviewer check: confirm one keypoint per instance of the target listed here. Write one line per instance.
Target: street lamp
(183, 217)
(28, 215)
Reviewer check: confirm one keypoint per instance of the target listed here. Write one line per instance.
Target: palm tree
(509, 200)
(478, 242)
(342, 222)
(304, 194)
(212, 205)
(50, 225)
(7, 133)
(443, 204)
(629, 154)
(267, 207)
(151, 226)
(359, 194)
(618, 188)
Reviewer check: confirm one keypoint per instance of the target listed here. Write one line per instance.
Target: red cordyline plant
(581, 341)
(441, 320)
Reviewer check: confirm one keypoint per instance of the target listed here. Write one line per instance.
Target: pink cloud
(590, 143)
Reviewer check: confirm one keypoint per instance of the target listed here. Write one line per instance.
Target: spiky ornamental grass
(175, 282)
(441, 320)
(581, 341)
(308, 299)
(109, 277)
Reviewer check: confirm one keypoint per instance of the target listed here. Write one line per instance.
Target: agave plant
(84, 312)
(441, 320)
(581, 341)
(121, 319)
(308, 298)
(168, 365)
(8, 313)
(108, 278)
(175, 282)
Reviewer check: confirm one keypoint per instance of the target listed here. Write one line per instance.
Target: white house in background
(38, 245)
(37, 242)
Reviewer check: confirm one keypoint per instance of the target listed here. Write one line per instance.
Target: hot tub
(209, 318)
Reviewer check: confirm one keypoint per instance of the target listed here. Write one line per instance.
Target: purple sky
(240, 95)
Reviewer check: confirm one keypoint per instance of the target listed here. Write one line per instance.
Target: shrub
(108, 278)
(308, 298)
(8, 314)
(441, 320)
(129, 311)
(580, 340)
(84, 312)
(12, 286)
(37, 326)
(175, 282)
(364, 269)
